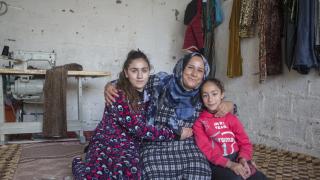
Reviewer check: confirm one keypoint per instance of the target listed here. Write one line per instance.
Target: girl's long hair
(123, 82)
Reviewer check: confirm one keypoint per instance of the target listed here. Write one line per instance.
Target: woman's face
(193, 73)
(138, 73)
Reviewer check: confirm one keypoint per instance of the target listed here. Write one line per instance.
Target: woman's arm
(225, 107)
(136, 125)
(155, 83)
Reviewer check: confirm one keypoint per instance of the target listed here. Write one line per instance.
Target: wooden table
(36, 127)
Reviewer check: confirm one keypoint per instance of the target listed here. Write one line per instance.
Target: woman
(178, 105)
(113, 152)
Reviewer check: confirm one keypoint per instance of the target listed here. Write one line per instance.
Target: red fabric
(219, 137)
(194, 37)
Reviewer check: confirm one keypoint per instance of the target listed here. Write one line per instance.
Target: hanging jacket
(304, 57)
(290, 18)
(194, 37)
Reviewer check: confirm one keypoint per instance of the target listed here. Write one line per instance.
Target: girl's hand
(110, 91)
(244, 163)
(237, 168)
(224, 108)
(186, 133)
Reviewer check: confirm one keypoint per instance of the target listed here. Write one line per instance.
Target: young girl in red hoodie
(223, 140)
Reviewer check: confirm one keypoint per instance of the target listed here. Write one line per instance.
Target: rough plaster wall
(283, 112)
(97, 34)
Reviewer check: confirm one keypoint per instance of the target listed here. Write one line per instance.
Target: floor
(52, 161)
(47, 161)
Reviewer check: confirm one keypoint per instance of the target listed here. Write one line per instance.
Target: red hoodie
(219, 137)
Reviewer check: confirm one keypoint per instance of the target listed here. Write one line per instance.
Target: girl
(113, 152)
(223, 140)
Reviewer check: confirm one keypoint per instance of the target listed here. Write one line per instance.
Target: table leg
(2, 115)
(80, 116)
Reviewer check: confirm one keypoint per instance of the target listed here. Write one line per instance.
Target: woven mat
(280, 164)
(9, 159)
(47, 161)
(274, 163)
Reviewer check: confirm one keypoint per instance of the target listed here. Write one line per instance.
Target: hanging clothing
(55, 91)
(317, 29)
(234, 68)
(304, 57)
(210, 52)
(218, 13)
(212, 17)
(270, 21)
(248, 18)
(191, 12)
(290, 20)
(194, 37)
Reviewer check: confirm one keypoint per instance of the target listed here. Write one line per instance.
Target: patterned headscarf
(175, 95)
(178, 68)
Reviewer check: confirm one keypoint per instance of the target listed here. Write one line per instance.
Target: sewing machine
(26, 88)
(29, 88)
(25, 85)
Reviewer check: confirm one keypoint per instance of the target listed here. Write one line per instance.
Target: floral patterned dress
(114, 149)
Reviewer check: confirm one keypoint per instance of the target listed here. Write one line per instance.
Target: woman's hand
(224, 108)
(110, 91)
(238, 169)
(186, 133)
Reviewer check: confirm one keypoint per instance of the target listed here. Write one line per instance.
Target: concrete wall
(96, 34)
(283, 112)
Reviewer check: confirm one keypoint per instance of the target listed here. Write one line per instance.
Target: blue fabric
(304, 51)
(152, 92)
(218, 12)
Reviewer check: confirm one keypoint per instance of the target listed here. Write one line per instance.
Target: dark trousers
(221, 173)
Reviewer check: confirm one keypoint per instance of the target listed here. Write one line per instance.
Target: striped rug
(9, 159)
(281, 164)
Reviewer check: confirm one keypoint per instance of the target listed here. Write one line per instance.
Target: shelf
(43, 72)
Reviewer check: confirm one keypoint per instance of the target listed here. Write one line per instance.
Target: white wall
(284, 112)
(96, 34)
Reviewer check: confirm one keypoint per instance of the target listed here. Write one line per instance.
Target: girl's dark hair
(215, 81)
(123, 82)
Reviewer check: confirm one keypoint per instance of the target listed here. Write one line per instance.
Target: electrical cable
(5, 6)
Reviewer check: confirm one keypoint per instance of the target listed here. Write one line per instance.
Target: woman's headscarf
(177, 97)
(178, 68)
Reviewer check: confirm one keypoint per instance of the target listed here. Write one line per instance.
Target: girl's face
(211, 96)
(193, 73)
(138, 73)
